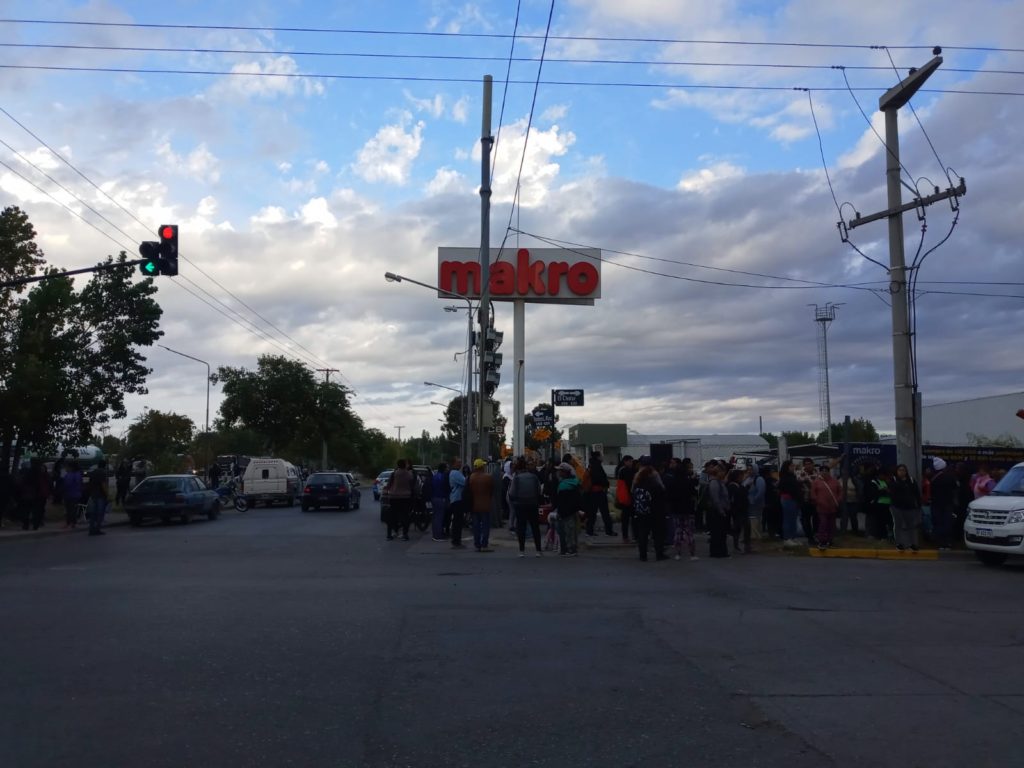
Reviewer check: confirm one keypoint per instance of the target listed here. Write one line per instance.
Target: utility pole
(824, 316)
(908, 428)
(486, 142)
(327, 380)
(399, 427)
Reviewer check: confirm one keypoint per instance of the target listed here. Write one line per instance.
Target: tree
(451, 430)
(861, 431)
(1005, 440)
(538, 437)
(67, 358)
(798, 438)
(160, 437)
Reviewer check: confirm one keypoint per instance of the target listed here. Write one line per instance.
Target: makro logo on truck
(548, 275)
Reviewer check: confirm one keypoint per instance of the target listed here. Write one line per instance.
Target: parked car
(330, 489)
(994, 528)
(270, 480)
(380, 482)
(169, 496)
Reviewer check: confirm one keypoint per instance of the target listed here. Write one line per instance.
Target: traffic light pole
(70, 272)
(486, 141)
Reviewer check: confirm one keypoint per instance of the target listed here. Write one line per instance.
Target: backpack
(642, 501)
(528, 496)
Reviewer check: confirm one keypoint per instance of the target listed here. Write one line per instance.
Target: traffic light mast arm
(70, 272)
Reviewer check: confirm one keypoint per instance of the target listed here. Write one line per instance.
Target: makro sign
(545, 275)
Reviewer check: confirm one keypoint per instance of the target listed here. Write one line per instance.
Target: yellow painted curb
(877, 554)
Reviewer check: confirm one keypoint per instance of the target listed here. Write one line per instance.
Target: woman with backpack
(648, 509)
(825, 493)
(524, 495)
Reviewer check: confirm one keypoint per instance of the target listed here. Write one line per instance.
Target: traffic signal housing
(492, 360)
(168, 249)
(150, 252)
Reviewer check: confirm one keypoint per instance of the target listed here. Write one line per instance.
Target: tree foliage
(861, 431)
(67, 358)
(160, 437)
(538, 437)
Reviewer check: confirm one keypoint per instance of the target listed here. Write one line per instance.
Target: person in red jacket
(825, 494)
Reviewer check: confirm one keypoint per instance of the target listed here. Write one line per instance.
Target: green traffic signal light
(150, 252)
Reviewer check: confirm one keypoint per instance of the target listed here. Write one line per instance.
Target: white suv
(994, 527)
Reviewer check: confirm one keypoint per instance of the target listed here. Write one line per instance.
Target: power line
(430, 79)
(504, 93)
(495, 35)
(67, 162)
(467, 57)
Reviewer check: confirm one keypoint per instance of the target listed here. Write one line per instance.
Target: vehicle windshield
(1012, 483)
(159, 485)
(324, 477)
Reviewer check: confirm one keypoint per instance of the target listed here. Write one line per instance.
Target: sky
(306, 148)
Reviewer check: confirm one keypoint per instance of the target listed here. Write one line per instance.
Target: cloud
(447, 181)
(460, 110)
(389, 155)
(199, 164)
(555, 112)
(432, 106)
(539, 168)
(268, 78)
(702, 180)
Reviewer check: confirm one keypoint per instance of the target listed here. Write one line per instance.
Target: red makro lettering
(522, 278)
(529, 275)
(461, 277)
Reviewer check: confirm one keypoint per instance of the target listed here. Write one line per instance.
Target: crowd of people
(666, 508)
(83, 495)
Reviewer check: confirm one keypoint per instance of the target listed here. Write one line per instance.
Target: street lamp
(392, 277)
(206, 426)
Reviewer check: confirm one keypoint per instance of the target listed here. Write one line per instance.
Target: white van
(270, 480)
(994, 527)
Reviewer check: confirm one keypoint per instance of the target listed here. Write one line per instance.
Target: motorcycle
(228, 495)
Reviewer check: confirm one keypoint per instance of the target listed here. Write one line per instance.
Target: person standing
(481, 487)
(982, 482)
(739, 511)
(456, 502)
(99, 498)
(623, 493)
(214, 473)
(945, 489)
(71, 487)
(757, 493)
(806, 475)
(524, 495)
(718, 516)
(649, 509)
(682, 503)
(790, 495)
(400, 487)
(598, 496)
(825, 495)
(906, 508)
(568, 501)
(34, 488)
(439, 491)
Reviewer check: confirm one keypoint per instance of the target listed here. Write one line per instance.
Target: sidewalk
(54, 526)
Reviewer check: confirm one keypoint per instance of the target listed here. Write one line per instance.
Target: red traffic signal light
(168, 249)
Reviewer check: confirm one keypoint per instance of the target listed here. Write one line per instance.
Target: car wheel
(990, 558)
(135, 519)
(165, 519)
(186, 518)
(345, 506)
(305, 507)
(241, 504)
(214, 512)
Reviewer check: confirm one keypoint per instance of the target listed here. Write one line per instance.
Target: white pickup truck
(994, 528)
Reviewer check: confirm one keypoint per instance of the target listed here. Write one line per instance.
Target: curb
(42, 534)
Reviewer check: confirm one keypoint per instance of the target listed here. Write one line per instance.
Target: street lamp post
(391, 277)
(206, 425)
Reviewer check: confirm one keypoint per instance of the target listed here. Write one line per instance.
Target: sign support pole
(519, 374)
(486, 141)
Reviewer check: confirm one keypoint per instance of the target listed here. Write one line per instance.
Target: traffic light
(160, 257)
(168, 249)
(492, 360)
(150, 252)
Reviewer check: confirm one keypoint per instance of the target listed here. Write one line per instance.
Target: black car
(329, 489)
(169, 496)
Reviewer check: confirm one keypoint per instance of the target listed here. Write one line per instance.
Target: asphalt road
(277, 638)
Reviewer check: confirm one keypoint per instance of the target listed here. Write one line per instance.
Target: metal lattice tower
(824, 316)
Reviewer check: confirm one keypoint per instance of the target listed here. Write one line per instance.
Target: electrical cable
(487, 35)
(504, 93)
(828, 178)
(142, 224)
(429, 79)
(913, 111)
(466, 57)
